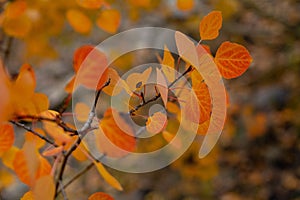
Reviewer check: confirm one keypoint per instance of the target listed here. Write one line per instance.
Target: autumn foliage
(50, 140)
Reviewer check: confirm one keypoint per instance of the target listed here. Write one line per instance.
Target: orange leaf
(172, 107)
(26, 163)
(210, 25)
(156, 123)
(79, 21)
(7, 137)
(108, 177)
(15, 9)
(90, 4)
(5, 106)
(57, 133)
(54, 151)
(90, 66)
(100, 196)
(44, 188)
(109, 20)
(17, 27)
(114, 136)
(232, 59)
(203, 96)
(203, 127)
(9, 156)
(185, 5)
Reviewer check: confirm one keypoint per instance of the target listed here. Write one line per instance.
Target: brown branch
(132, 111)
(81, 133)
(33, 132)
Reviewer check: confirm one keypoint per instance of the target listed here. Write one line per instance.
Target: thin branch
(33, 132)
(132, 111)
(63, 192)
(57, 120)
(81, 133)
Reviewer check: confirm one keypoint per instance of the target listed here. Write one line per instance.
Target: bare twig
(132, 111)
(33, 132)
(81, 133)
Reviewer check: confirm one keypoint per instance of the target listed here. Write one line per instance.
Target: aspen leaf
(172, 107)
(6, 178)
(186, 49)
(79, 21)
(7, 137)
(82, 111)
(109, 20)
(79, 153)
(53, 151)
(28, 196)
(90, 66)
(17, 27)
(108, 177)
(203, 127)
(210, 25)
(26, 163)
(9, 156)
(156, 123)
(112, 89)
(90, 4)
(44, 188)
(162, 86)
(15, 9)
(185, 5)
(232, 60)
(39, 143)
(114, 136)
(137, 80)
(100, 196)
(168, 65)
(5, 106)
(203, 96)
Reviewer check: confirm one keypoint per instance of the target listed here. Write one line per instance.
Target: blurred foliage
(258, 154)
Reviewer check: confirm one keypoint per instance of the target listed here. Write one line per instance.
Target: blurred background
(258, 155)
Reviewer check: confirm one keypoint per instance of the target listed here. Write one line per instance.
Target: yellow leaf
(28, 196)
(90, 4)
(109, 20)
(108, 177)
(162, 86)
(44, 188)
(17, 27)
(168, 65)
(185, 5)
(9, 156)
(82, 111)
